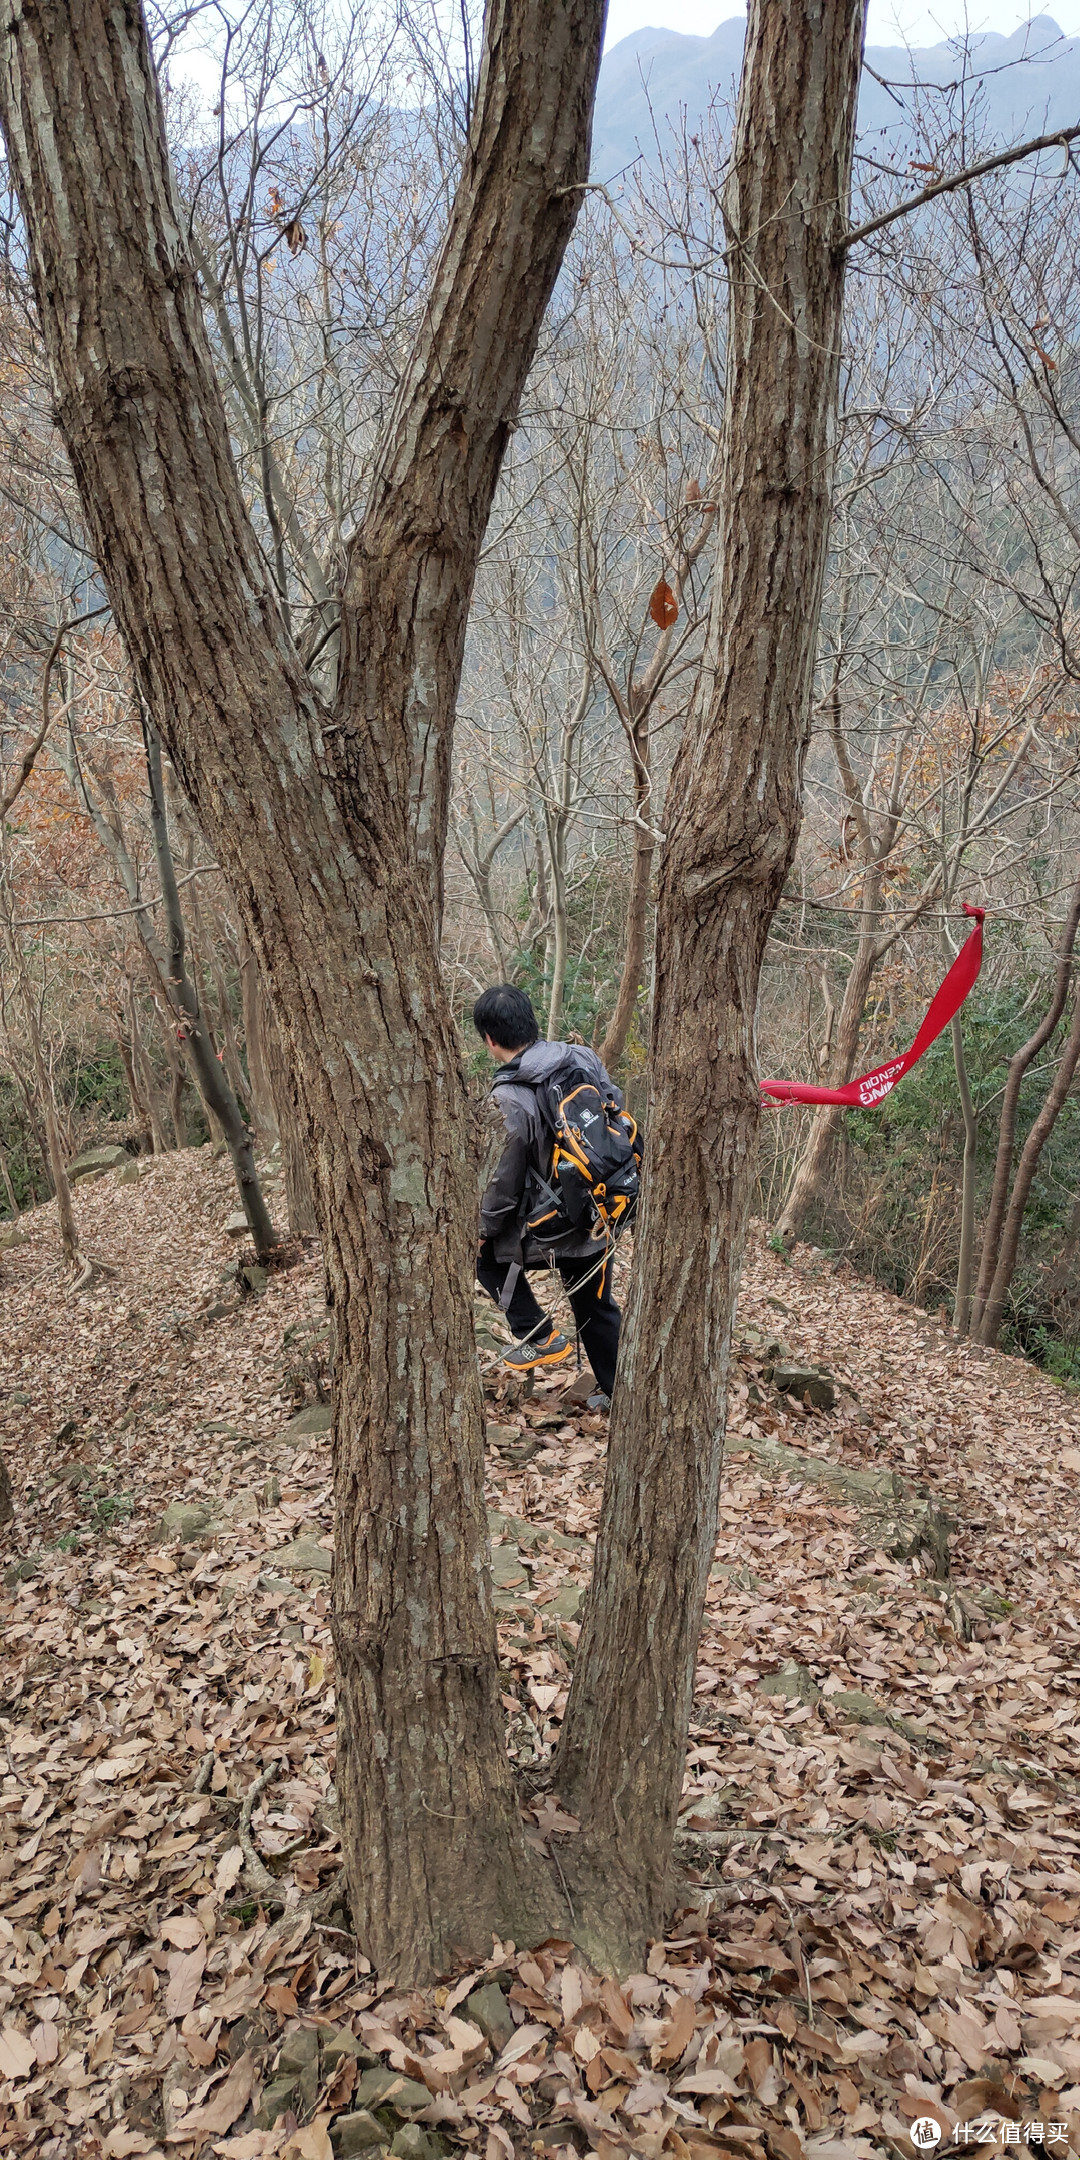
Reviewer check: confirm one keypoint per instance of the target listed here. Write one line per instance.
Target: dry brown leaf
(219, 2113)
(311, 2143)
(185, 1969)
(663, 606)
(183, 1931)
(677, 2033)
(18, 2056)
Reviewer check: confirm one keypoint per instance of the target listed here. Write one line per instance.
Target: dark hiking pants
(597, 1316)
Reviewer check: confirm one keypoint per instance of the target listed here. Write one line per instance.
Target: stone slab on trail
(808, 1383)
(530, 1533)
(317, 1418)
(95, 1162)
(304, 1555)
(187, 1519)
(907, 1523)
(793, 1683)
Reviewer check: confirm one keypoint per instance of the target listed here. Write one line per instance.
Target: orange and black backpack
(593, 1183)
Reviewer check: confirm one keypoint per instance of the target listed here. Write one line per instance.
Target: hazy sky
(921, 22)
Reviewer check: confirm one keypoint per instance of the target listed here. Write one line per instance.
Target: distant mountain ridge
(648, 79)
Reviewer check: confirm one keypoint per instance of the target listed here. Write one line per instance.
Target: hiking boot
(524, 1356)
(600, 1401)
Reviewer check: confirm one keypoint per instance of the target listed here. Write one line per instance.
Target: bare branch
(1062, 137)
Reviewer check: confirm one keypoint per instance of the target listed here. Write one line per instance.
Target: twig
(313, 1908)
(256, 1875)
(795, 1938)
(1063, 137)
(204, 1771)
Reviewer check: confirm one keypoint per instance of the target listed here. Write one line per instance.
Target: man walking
(504, 1017)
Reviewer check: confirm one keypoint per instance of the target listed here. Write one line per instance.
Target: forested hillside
(878, 1830)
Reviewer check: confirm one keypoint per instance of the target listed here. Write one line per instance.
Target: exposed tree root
(86, 1271)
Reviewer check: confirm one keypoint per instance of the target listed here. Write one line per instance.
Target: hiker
(526, 1090)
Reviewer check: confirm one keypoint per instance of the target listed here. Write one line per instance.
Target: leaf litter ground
(878, 1947)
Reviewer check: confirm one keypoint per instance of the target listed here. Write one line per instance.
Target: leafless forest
(943, 755)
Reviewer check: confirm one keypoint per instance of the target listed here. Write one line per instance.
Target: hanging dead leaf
(1045, 358)
(693, 491)
(467, 2046)
(340, 2091)
(663, 606)
(296, 237)
(281, 2000)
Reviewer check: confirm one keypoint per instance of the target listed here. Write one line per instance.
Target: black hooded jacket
(528, 1147)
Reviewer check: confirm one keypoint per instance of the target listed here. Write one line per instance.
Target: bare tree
(731, 819)
(330, 824)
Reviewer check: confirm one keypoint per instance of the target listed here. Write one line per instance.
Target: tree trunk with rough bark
(54, 1148)
(330, 824)
(993, 1312)
(1019, 1065)
(299, 1195)
(637, 913)
(217, 1095)
(137, 1103)
(808, 1182)
(732, 819)
(966, 1256)
(253, 1007)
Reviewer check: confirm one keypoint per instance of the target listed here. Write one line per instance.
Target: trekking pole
(494, 1358)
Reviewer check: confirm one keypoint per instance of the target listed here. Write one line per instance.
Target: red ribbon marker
(874, 1086)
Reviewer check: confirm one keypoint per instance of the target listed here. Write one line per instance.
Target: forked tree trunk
(635, 706)
(330, 826)
(137, 1103)
(732, 818)
(177, 1085)
(145, 1074)
(33, 1123)
(9, 1189)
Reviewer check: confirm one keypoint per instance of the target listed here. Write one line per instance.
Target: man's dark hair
(507, 1016)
